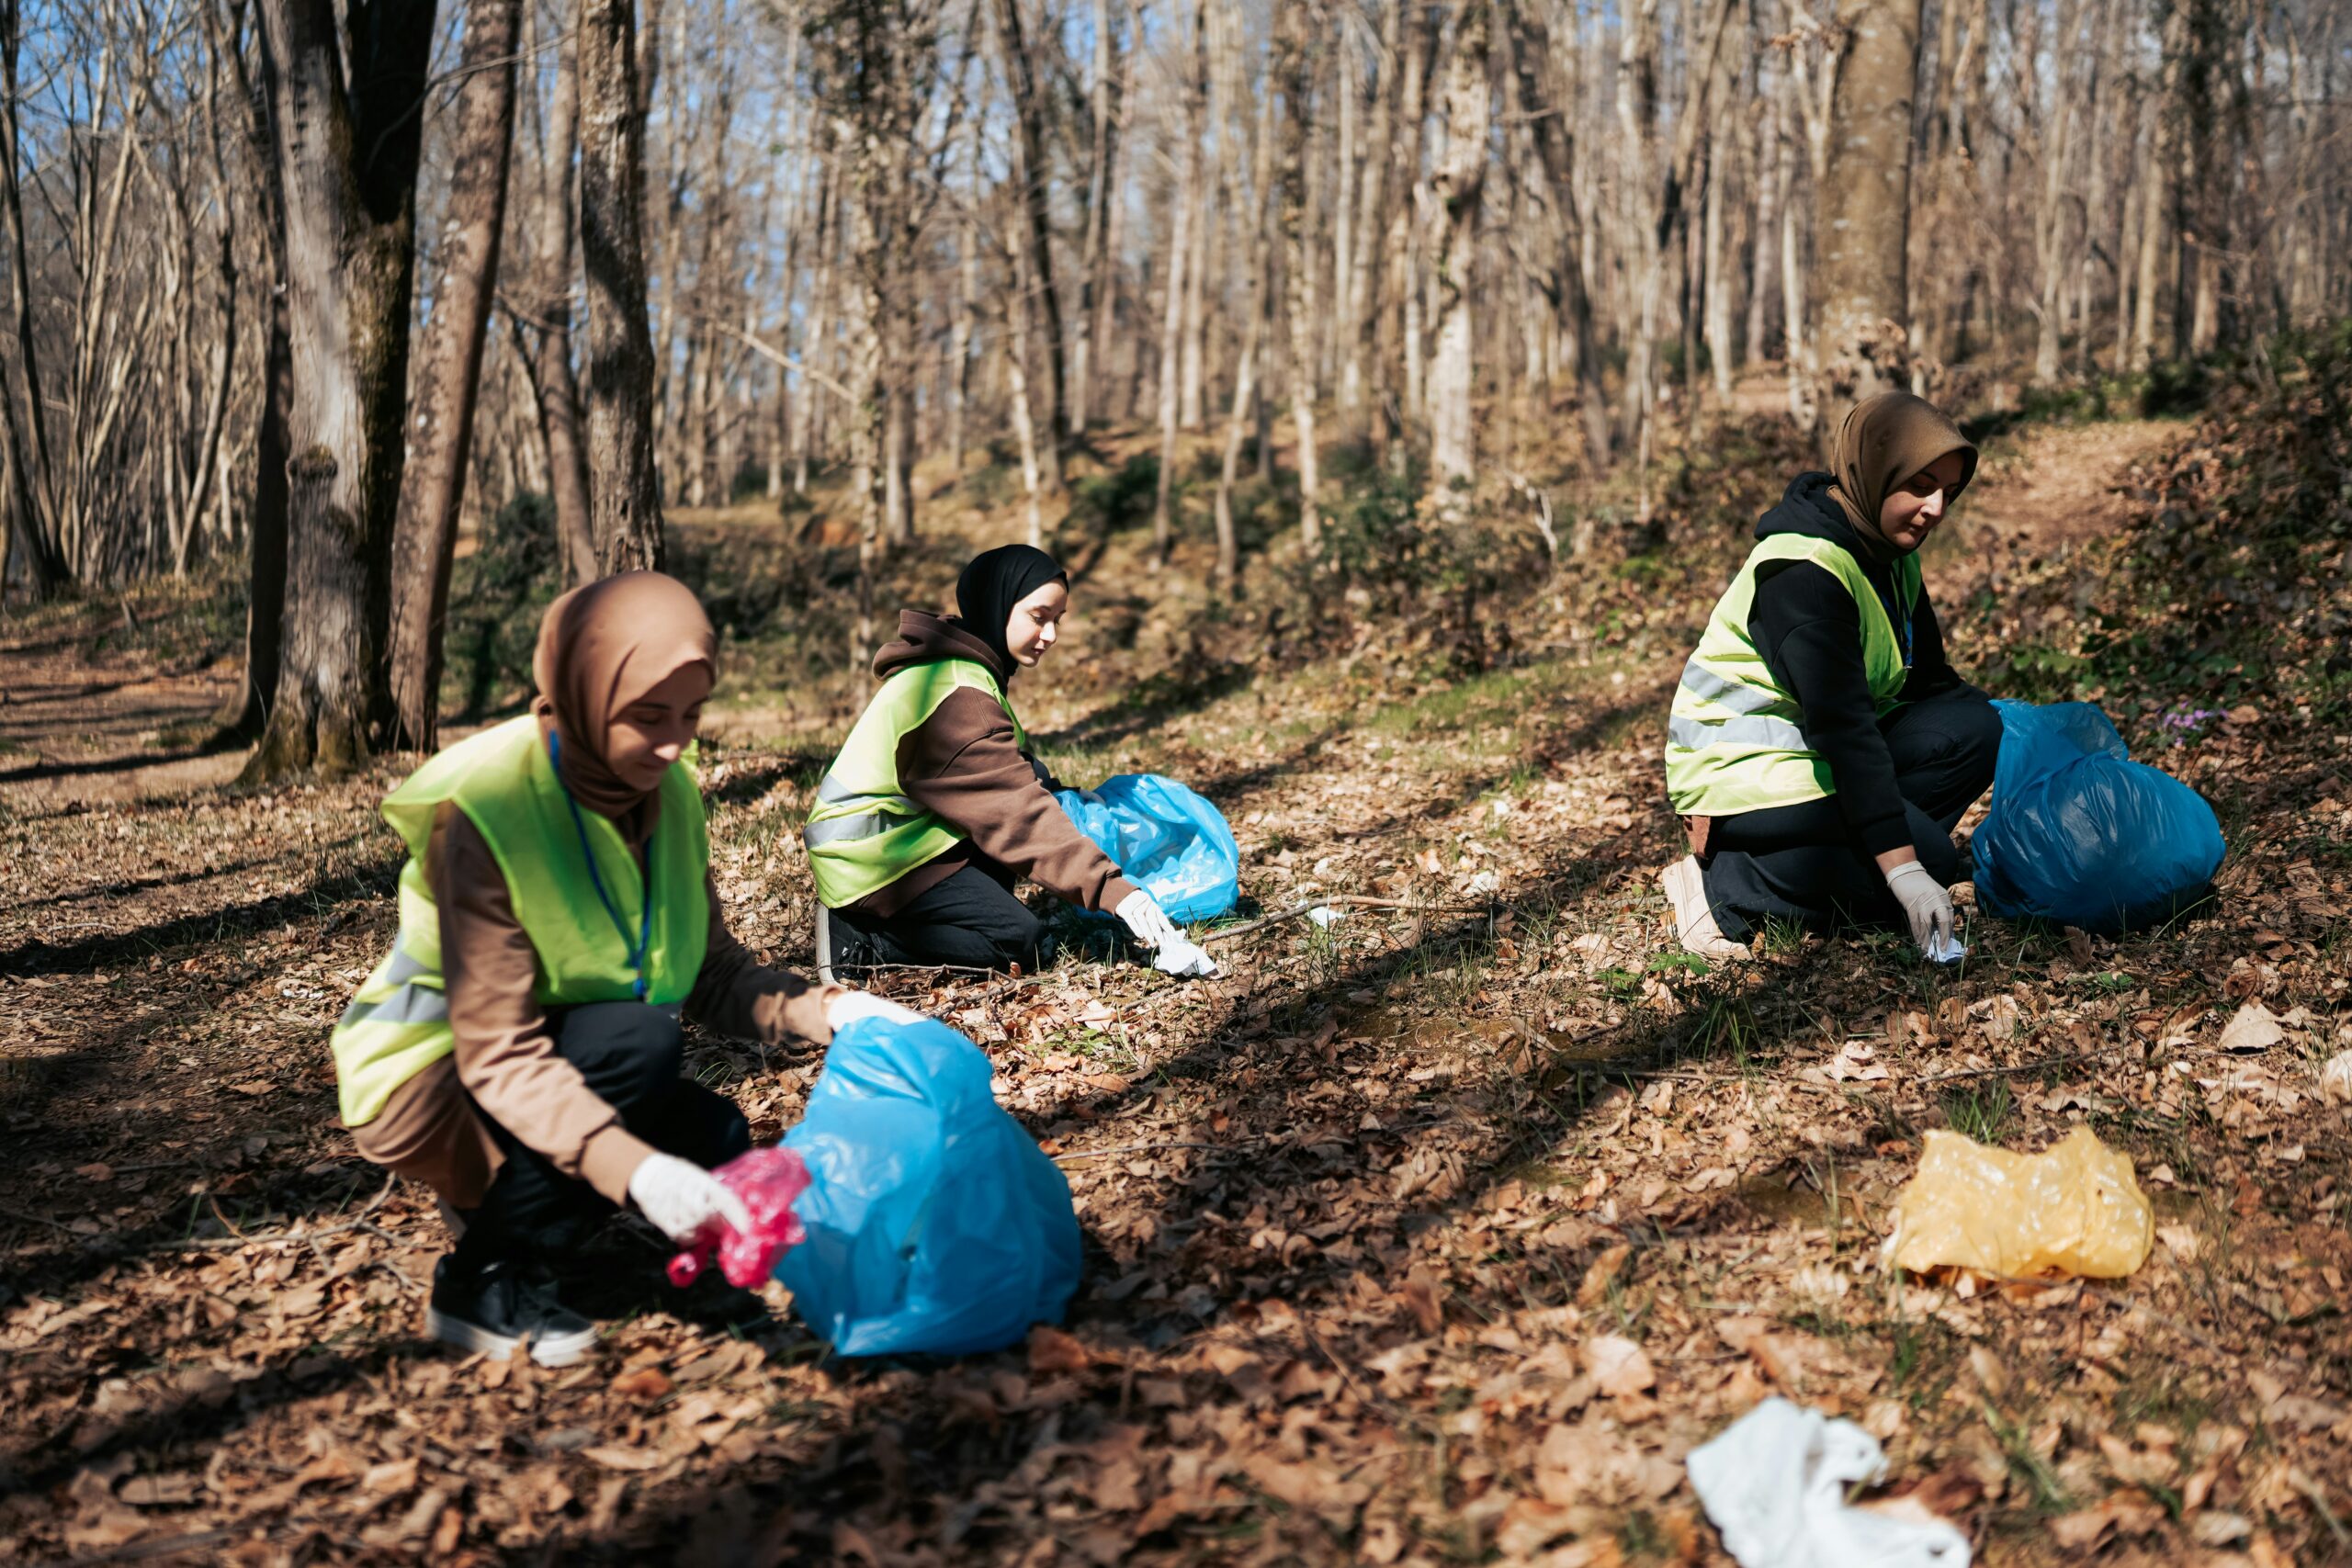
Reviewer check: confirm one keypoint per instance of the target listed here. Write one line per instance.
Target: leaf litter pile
(1437, 1233)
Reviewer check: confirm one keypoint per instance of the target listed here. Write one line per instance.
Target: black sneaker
(496, 1306)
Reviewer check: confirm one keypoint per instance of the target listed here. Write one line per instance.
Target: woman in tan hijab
(518, 1050)
(1822, 749)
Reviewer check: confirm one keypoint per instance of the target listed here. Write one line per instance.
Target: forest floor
(1440, 1235)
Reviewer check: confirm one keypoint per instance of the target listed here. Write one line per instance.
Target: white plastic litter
(1774, 1483)
(1325, 915)
(1946, 948)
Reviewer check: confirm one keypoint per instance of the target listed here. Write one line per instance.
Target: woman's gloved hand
(1926, 904)
(846, 1006)
(682, 1198)
(1172, 953)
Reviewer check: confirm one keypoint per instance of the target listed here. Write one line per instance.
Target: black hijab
(995, 582)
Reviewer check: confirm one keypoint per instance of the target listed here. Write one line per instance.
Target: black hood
(1809, 509)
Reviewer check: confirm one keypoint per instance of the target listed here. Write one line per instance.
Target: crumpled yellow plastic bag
(2073, 1209)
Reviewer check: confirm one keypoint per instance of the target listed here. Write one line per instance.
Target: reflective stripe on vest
(1736, 741)
(398, 1023)
(863, 833)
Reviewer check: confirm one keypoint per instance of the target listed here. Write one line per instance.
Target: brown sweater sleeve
(507, 1056)
(964, 764)
(736, 995)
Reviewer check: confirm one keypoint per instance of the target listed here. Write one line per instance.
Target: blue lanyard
(644, 939)
(1892, 602)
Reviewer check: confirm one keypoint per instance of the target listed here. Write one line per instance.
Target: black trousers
(630, 1054)
(1802, 864)
(971, 921)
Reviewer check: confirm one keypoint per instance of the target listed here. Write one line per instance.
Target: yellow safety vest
(1736, 741)
(863, 833)
(506, 782)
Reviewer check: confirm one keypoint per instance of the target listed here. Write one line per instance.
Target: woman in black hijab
(934, 809)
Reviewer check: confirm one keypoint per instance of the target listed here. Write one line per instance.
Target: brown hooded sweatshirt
(965, 763)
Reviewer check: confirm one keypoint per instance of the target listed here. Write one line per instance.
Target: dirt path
(88, 715)
(1440, 1235)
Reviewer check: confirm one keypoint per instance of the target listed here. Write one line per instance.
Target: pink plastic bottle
(767, 1181)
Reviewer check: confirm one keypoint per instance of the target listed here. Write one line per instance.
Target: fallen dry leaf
(1618, 1365)
(2252, 1028)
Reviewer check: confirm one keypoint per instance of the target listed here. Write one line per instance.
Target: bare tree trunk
(1297, 82)
(959, 347)
(1531, 44)
(1016, 349)
(1245, 391)
(1092, 345)
(1456, 188)
(1029, 115)
(1398, 316)
(2050, 219)
(347, 153)
(1865, 204)
(433, 485)
(625, 492)
(27, 449)
(1763, 254)
(2150, 260)
(1372, 219)
(1718, 272)
(818, 338)
(244, 717)
(1258, 270)
(553, 378)
(1183, 198)
(1351, 90)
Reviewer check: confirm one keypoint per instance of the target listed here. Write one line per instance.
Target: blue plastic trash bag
(935, 1222)
(2081, 835)
(1166, 839)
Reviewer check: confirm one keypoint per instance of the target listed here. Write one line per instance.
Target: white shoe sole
(562, 1350)
(1694, 921)
(825, 946)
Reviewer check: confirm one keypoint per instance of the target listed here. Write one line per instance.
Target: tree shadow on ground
(367, 883)
(125, 888)
(1151, 702)
(198, 1421)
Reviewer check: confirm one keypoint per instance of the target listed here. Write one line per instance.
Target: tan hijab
(1884, 441)
(601, 649)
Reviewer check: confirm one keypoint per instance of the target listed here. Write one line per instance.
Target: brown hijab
(601, 649)
(1884, 441)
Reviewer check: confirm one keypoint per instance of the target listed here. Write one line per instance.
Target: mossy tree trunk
(346, 151)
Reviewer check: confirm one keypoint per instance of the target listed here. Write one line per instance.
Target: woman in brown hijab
(519, 1051)
(1822, 749)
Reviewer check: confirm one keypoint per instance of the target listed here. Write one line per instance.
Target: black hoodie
(1809, 631)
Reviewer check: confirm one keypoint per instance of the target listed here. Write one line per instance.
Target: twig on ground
(284, 1233)
(24, 1219)
(1351, 900)
(2318, 1499)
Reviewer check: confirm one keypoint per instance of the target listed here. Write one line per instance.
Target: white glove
(1146, 920)
(1926, 904)
(846, 1007)
(1172, 953)
(681, 1198)
(1181, 956)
